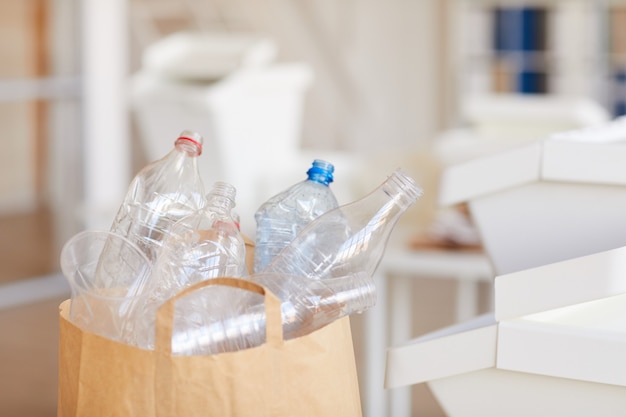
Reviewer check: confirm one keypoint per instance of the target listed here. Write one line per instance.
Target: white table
(390, 321)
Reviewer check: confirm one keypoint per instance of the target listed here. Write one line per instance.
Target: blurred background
(90, 91)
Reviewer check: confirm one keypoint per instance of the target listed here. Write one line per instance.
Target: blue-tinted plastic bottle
(281, 218)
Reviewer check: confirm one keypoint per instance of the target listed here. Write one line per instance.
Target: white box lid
(565, 283)
(591, 155)
(489, 174)
(454, 350)
(584, 342)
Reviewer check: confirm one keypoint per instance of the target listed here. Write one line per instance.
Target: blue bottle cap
(321, 171)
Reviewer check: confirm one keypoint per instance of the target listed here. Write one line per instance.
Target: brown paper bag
(314, 375)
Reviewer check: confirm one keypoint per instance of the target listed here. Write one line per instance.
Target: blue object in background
(519, 37)
(619, 90)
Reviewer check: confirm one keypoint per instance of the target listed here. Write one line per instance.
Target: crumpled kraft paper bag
(314, 375)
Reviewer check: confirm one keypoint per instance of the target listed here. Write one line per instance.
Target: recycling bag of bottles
(172, 312)
(313, 375)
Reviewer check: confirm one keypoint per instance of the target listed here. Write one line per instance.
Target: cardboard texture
(314, 375)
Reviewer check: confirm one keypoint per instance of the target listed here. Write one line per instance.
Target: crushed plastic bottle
(162, 193)
(228, 326)
(281, 218)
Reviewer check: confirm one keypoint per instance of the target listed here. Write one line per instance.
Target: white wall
(377, 63)
(378, 87)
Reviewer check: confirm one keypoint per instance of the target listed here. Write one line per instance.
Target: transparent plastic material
(105, 296)
(351, 238)
(227, 326)
(281, 218)
(203, 245)
(162, 193)
(323, 274)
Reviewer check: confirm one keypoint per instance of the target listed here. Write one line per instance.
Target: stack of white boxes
(552, 216)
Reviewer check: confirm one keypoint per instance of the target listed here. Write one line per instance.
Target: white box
(548, 201)
(554, 346)
(462, 348)
(566, 319)
(566, 283)
(499, 393)
(462, 368)
(583, 342)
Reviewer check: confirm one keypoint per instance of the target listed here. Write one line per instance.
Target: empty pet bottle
(280, 218)
(323, 274)
(162, 193)
(203, 245)
(351, 238)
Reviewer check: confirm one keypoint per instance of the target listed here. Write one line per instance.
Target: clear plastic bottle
(351, 238)
(280, 218)
(203, 245)
(325, 273)
(162, 193)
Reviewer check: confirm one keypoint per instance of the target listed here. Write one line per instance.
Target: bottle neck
(222, 203)
(402, 189)
(321, 172)
(188, 146)
(319, 178)
(390, 199)
(380, 211)
(222, 196)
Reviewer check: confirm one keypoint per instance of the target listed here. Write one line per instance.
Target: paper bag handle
(165, 313)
